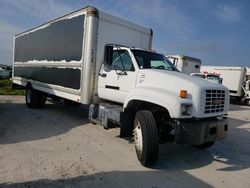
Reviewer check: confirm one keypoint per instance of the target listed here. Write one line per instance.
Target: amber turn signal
(183, 93)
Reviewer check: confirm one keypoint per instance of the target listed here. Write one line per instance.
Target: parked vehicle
(5, 72)
(185, 64)
(87, 57)
(234, 78)
(248, 73)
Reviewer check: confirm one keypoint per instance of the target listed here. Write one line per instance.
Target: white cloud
(41, 10)
(7, 32)
(162, 15)
(228, 13)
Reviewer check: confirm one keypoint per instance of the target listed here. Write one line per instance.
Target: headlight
(186, 109)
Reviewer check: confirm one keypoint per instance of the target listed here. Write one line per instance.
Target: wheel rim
(138, 136)
(28, 96)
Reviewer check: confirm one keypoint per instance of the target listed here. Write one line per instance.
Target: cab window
(121, 60)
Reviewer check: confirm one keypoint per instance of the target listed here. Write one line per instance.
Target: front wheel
(247, 102)
(146, 138)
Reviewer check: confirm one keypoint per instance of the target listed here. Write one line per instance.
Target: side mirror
(197, 66)
(119, 71)
(108, 53)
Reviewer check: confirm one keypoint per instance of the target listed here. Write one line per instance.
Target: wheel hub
(138, 137)
(28, 96)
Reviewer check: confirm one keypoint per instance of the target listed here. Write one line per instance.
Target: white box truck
(106, 62)
(209, 77)
(185, 64)
(192, 66)
(234, 78)
(248, 73)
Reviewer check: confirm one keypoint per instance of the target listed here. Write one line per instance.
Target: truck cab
(159, 103)
(125, 70)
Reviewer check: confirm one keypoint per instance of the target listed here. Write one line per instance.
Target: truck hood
(173, 81)
(164, 86)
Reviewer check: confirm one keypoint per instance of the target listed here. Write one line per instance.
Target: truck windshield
(151, 60)
(213, 78)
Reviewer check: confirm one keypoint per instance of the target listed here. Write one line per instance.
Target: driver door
(118, 78)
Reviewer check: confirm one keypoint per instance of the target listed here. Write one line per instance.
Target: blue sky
(216, 31)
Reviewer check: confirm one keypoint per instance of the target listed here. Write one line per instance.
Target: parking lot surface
(57, 147)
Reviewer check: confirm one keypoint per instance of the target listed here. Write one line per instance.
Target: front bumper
(199, 132)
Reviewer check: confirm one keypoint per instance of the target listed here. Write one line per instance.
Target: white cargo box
(233, 77)
(63, 57)
(185, 63)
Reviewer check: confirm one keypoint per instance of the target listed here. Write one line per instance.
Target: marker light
(183, 93)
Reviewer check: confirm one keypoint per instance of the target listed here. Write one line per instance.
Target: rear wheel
(34, 98)
(146, 138)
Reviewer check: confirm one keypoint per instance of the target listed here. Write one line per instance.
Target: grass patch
(5, 88)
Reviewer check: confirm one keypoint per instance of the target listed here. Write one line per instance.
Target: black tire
(148, 153)
(42, 99)
(205, 145)
(34, 98)
(247, 102)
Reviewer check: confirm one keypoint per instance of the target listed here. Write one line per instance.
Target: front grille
(215, 101)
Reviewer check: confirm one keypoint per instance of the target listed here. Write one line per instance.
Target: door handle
(103, 75)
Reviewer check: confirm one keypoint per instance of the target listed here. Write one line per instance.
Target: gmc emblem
(217, 101)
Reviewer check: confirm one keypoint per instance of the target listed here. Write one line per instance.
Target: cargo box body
(185, 64)
(233, 77)
(63, 56)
